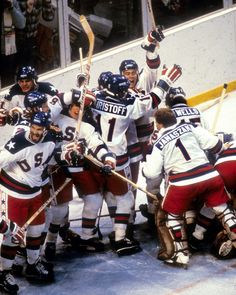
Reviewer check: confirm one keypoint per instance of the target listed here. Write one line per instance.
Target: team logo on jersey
(109, 107)
(11, 145)
(174, 134)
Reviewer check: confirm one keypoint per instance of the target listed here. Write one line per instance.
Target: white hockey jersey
(22, 162)
(179, 149)
(114, 117)
(67, 124)
(186, 114)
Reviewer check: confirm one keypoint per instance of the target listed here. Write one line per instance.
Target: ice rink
(142, 273)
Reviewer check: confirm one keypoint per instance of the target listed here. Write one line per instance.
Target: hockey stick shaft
(41, 208)
(206, 106)
(151, 15)
(150, 12)
(99, 164)
(219, 108)
(91, 39)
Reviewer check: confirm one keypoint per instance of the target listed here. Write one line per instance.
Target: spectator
(26, 38)
(11, 17)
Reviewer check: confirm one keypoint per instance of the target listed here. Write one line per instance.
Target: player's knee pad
(59, 213)
(92, 203)
(125, 202)
(227, 216)
(166, 245)
(34, 231)
(175, 224)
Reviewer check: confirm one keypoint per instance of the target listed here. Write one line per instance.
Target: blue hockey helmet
(34, 99)
(128, 64)
(175, 95)
(41, 119)
(26, 72)
(102, 79)
(117, 86)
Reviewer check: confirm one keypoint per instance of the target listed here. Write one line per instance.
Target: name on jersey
(112, 108)
(166, 138)
(185, 112)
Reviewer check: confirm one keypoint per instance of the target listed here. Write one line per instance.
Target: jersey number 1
(182, 149)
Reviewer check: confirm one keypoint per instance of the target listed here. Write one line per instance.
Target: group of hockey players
(52, 151)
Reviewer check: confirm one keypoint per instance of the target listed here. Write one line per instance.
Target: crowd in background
(30, 34)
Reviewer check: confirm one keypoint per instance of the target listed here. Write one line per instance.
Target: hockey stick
(44, 205)
(219, 107)
(81, 60)
(99, 164)
(207, 105)
(151, 15)
(90, 36)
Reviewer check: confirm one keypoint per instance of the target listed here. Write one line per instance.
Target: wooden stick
(209, 104)
(91, 39)
(219, 108)
(41, 208)
(151, 15)
(99, 164)
(81, 60)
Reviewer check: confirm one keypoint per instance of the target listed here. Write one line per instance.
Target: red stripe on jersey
(14, 185)
(198, 171)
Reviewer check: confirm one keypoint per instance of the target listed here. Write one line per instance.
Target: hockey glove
(109, 164)
(225, 137)
(168, 77)
(72, 153)
(90, 98)
(151, 40)
(56, 133)
(10, 229)
(81, 78)
(3, 117)
(14, 116)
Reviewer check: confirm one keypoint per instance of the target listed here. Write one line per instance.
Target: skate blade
(176, 264)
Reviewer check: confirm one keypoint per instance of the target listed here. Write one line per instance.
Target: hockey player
(176, 101)
(114, 110)
(179, 151)
(82, 176)
(222, 246)
(27, 80)
(23, 159)
(141, 82)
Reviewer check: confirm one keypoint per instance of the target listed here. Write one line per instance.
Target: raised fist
(169, 76)
(151, 41)
(81, 78)
(156, 35)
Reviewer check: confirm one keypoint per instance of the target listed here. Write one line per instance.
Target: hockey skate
(39, 272)
(92, 245)
(111, 237)
(180, 259)
(150, 217)
(19, 262)
(126, 247)
(50, 251)
(7, 282)
(69, 236)
(197, 245)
